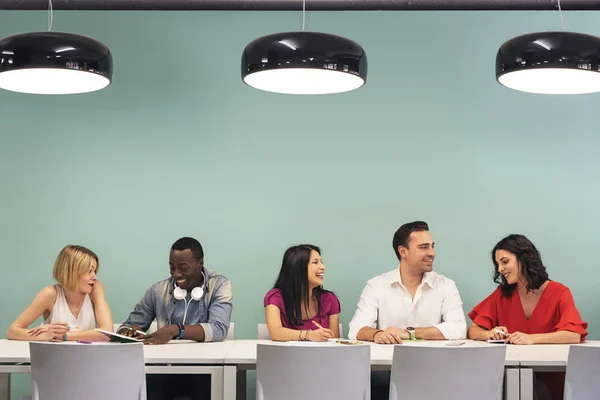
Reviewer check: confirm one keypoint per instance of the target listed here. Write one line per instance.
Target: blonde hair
(72, 262)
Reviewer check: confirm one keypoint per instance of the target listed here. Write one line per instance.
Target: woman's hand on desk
(498, 333)
(319, 335)
(519, 338)
(49, 331)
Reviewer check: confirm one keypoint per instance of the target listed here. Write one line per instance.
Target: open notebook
(115, 337)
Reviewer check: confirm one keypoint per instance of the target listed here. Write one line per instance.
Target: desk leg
(216, 384)
(229, 382)
(512, 384)
(234, 383)
(241, 384)
(526, 383)
(4, 386)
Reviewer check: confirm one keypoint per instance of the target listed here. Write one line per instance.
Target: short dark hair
(188, 243)
(532, 267)
(403, 233)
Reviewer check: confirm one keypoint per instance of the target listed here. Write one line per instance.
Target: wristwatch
(181, 332)
(411, 332)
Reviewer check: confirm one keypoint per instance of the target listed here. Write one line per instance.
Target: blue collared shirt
(212, 312)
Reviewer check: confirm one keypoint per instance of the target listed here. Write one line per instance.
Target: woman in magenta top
(527, 307)
(298, 301)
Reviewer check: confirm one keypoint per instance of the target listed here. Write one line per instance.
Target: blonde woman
(73, 308)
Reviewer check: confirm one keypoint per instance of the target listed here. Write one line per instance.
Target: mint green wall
(177, 145)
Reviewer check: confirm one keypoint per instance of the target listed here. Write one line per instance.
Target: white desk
(228, 361)
(540, 357)
(172, 358)
(242, 357)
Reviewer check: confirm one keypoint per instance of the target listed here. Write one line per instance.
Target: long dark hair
(293, 282)
(532, 267)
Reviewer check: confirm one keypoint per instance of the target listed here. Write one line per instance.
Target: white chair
(263, 332)
(230, 332)
(449, 373)
(583, 371)
(320, 372)
(73, 371)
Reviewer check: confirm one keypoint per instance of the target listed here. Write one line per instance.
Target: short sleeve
(569, 318)
(275, 298)
(330, 303)
(485, 314)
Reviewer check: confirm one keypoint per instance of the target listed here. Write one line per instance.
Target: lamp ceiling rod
(292, 5)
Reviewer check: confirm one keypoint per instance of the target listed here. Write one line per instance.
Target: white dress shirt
(386, 302)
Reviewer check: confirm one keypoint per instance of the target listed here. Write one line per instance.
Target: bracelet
(375, 334)
(305, 339)
(64, 337)
(300, 336)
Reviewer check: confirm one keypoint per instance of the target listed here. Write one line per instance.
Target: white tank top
(61, 312)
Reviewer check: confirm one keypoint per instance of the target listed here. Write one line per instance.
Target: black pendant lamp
(304, 63)
(550, 63)
(54, 63)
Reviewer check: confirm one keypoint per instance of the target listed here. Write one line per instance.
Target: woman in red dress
(527, 307)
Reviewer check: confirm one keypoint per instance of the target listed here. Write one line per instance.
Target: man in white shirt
(412, 301)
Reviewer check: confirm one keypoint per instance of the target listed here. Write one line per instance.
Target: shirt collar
(428, 278)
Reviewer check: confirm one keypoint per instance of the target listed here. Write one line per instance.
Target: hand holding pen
(319, 335)
(131, 331)
(498, 333)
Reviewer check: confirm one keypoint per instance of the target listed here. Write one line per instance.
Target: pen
(348, 342)
(317, 324)
(135, 331)
(72, 326)
(499, 331)
(84, 341)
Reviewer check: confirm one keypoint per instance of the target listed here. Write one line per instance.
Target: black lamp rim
(43, 50)
(318, 67)
(546, 66)
(104, 74)
(564, 50)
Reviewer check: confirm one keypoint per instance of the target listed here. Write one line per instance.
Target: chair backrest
(73, 371)
(324, 371)
(231, 332)
(457, 372)
(263, 332)
(583, 370)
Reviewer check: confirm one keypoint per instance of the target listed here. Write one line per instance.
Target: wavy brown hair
(532, 268)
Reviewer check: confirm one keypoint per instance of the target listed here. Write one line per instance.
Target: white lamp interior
(304, 81)
(51, 81)
(553, 81)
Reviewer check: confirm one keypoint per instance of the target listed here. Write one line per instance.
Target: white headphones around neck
(181, 294)
(197, 294)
